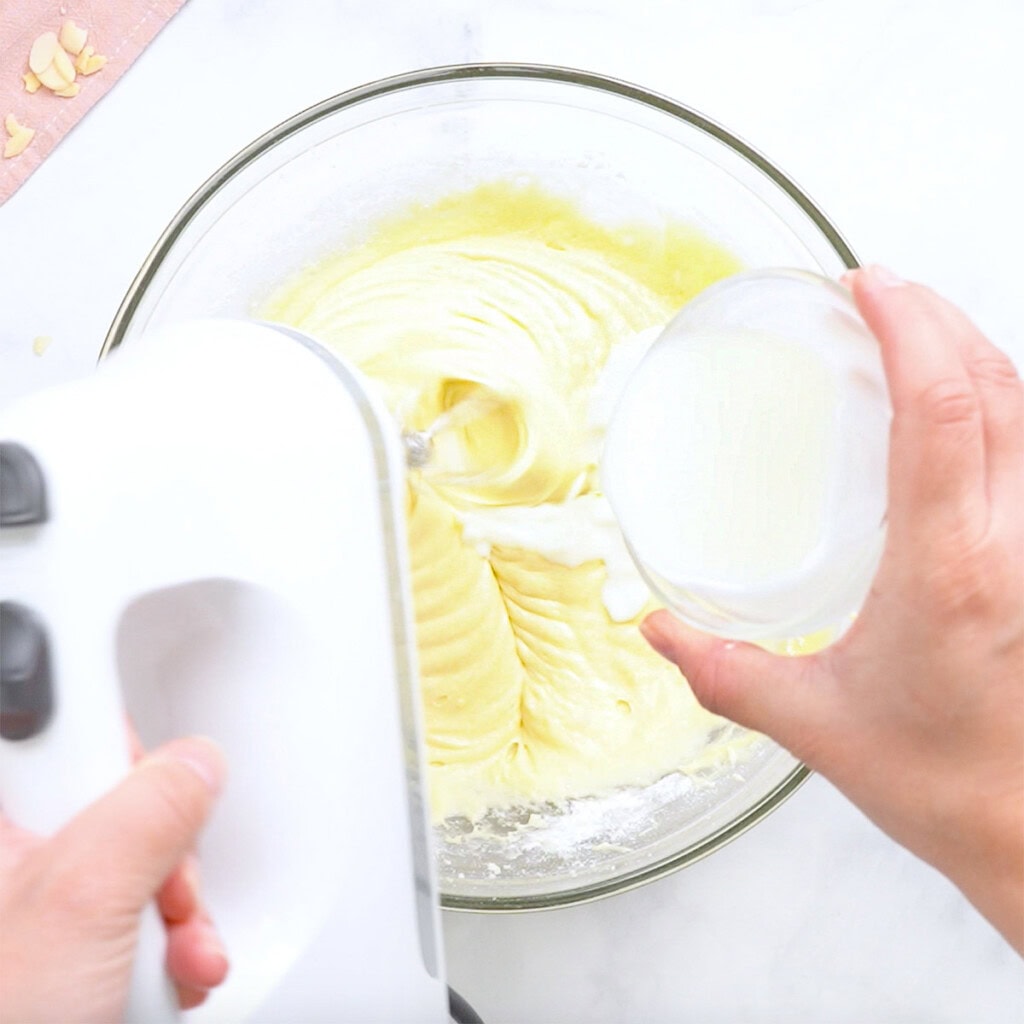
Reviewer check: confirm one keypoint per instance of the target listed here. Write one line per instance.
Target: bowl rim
(633, 880)
(516, 71)
(453, 73)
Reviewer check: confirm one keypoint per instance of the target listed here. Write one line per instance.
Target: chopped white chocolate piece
(69, 92)
(17, 143)
(41, 343)
(93, 64)
(52, 78)
(41, 55)
(31, 82)
(72, 37)
(62, 62)
(89, 62)
(20, 136)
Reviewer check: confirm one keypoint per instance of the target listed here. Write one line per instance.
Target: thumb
(786, 698)
(128, 842)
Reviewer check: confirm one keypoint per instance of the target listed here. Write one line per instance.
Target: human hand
(70, 903)
(917, 713)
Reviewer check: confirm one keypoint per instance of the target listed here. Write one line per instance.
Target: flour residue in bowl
(537, 686)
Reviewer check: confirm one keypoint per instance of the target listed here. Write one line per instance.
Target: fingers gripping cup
(746, 460)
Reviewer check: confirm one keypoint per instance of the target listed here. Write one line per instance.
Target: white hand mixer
(207, 533)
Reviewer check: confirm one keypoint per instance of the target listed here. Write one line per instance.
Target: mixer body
(208, 534)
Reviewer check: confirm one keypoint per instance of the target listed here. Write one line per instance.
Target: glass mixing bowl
(318, 183)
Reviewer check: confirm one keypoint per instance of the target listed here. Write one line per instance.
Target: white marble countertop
(901, 118)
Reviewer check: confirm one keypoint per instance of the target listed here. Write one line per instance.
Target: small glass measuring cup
(746, 459)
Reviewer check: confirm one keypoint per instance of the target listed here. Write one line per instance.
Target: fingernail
(212, 943)
(882, 277)
(204, 757)
(653, 633)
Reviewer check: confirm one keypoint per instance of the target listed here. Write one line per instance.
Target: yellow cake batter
(506, 303)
